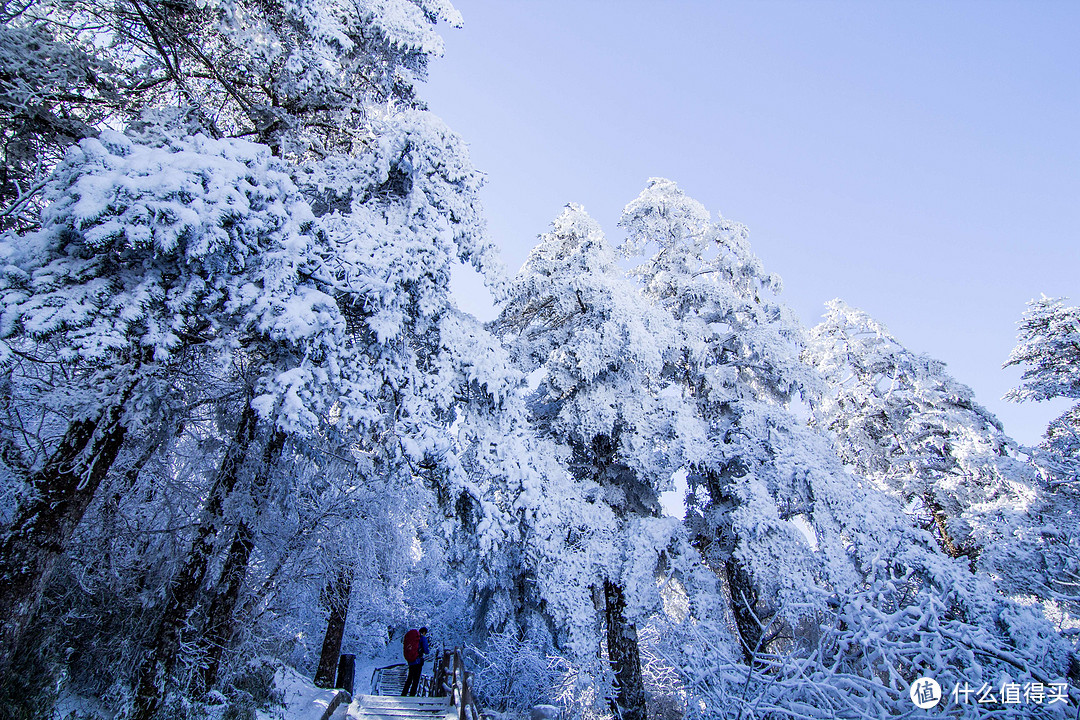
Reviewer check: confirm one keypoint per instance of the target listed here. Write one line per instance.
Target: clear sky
(920, 160)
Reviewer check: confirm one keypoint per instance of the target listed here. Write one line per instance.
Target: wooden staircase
(389, 680)
(446, 695)
(389, 707)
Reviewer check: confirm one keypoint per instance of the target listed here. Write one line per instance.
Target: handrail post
(459, 677)
(466, 694)
(444, 663)
(457, 680)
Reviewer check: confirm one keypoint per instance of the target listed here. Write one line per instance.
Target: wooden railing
(398, 671)
(377, 677)
(450, 680)
(453, 681)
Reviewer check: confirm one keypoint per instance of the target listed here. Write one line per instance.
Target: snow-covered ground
(303, 700)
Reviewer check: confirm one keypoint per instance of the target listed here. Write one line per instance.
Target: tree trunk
(155, 670)
(336, 596)
(222, 615)
(220, 623)
(946, 541)
(63, 488)
(744, 603)
(623, 654)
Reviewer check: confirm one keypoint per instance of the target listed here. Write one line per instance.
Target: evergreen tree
(816, 561)
(737, 364)
(1048, 348)
(129, 280)
(572, 317)
(316, 264)
(901, 421)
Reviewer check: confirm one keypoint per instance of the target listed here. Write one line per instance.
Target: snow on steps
(304, 701)
(422, 708)
(389, 707)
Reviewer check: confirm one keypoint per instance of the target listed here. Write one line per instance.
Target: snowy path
(304, 701)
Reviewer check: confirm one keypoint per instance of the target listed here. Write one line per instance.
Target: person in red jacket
(416, 647)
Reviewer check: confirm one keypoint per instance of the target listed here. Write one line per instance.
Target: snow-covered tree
(358, 333)
(901, 421)
(1048, 349)
(598, 348)
(737, 363)
(816, 561)
(134, 257)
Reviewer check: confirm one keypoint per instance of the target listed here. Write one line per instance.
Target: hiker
(416, 647)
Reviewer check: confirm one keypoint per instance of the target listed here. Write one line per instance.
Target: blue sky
(920, 160)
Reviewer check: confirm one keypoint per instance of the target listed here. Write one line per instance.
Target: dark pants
(412, 682)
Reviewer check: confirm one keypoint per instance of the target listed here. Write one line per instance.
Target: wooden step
(403, 711)
(415, 700)
(401, 703)
(392, 680)
(390, 707)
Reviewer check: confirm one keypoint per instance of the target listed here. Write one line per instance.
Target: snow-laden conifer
(901, 421)
(826, 577)
(597, 348)
(736, 362)
(141, 258)
(1048, 350)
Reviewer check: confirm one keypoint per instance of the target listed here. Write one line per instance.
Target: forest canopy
(244, 424)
